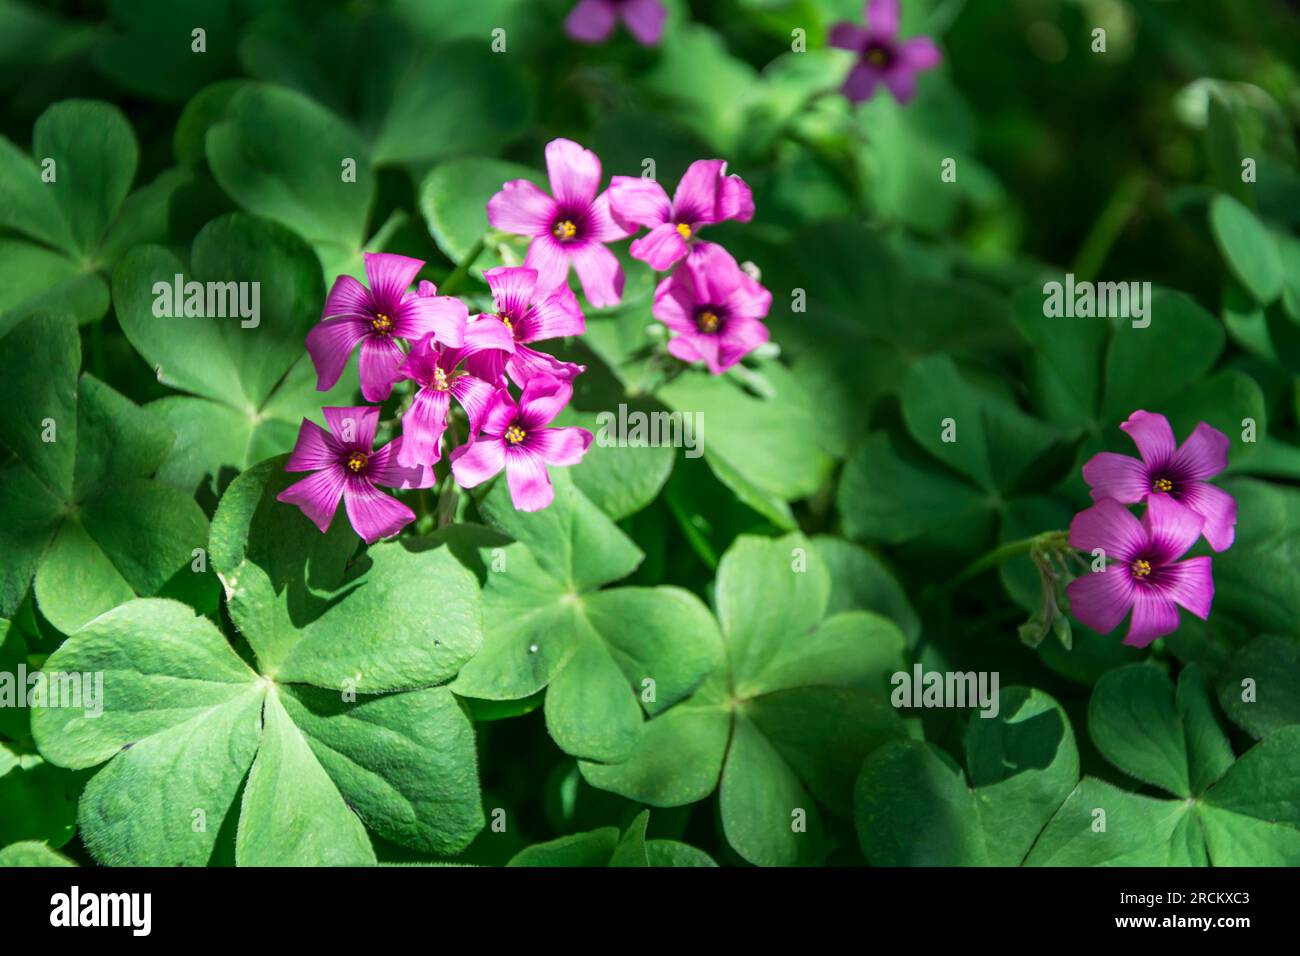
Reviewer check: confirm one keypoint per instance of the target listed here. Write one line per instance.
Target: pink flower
(436, 369)
(592, 21)
(523, 319)
(571, 228)
(882, 57)
(346, 467)
(1169, 471)
(715, 308)
(705, 195)
(516, 438)
(1144, 573)
(375, 318)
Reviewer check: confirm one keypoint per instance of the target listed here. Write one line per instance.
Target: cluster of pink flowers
(450, 356)
(431, 341)
(883, 59)
(712, 307)
(1145, 573)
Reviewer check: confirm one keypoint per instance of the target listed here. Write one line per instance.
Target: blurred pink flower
(592, 21)
(882, 57)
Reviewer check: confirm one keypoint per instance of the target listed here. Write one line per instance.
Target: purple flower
(1169, 471)
(882, 57)
(436, 369)
(705, 195)
(571, 228)
(375, 318)
(346, 467)
(715, 308)
(592, 21)
(516, 438)
(523, 318)
(1144, 572)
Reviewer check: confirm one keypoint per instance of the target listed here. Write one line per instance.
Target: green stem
(396, 220)
(1048, 540)
(457, 277)
(1109, 225)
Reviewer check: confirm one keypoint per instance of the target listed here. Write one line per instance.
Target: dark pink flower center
(878, 55)
(356, 462)
(515, 435)
(1141, 568)
(708, 320)
(1162, 484)
(566, 230)
(381, 323)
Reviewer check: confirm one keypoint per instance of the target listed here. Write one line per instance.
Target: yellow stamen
(708, 321)
(506, 321)
(515, 434)
(564, 229)
(440, 379)
(1163, 484)
(684, 230)
(381, 324)
(1141, 568)
(357, 462)
(877, 56)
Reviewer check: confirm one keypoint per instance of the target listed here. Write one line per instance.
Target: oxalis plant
(637, 434)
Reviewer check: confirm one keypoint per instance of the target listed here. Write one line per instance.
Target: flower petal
(599, 224)
(501, 413)
(691, 347)
(1154, 615)
(1172, 528)
(473, 464)
(1217, 507)
(574, 172)
(1190, 584)
(1115, 476)
(551, 260)
(660, 247)
(353, 427)
(1100, 599)
(422, 428)
(600, 272)
(386, 469)
(849, 36)
(441, 316)
(419, 362)
(556, 316)
(348, 297)
(675, 302)
(512, 288)
(530, 484)
(476, 397)
(317, 495)
(696, 198)
(861, 82)
(735, 200)
(1153, 437)
(739, 337)
(900, 80)
(373, 514)
(390, 276)
(315, 449)
(330, 344)
(920, 53)
(1203, 455)
(638, 201)
(561, 446)
(380, 361)
(1110, 526)
(527, 363)
(645, 20)
(485, 334)
(522, 208)
(543, 398)
(591, 21)
(882, 17)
